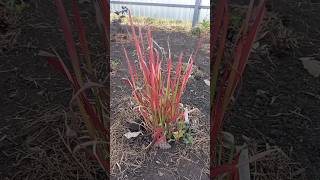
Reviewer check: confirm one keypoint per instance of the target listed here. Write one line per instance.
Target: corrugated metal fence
(184, 10)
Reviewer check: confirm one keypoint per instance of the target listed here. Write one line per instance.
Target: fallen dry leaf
(228, 139)
(207, 82)
(256, 45)
(129, 135)
(160, 173)
(244, 170)
(311, 65)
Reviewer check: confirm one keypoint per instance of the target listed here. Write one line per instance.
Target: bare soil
(34, 143)
(279, 100)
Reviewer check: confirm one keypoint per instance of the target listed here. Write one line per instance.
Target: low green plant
(114, 64)
(202, 27)
(196, 31)
(205, 24)
(16, 6)
(157, 95)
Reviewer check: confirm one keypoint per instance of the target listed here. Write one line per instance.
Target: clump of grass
(84, 80)
(222, 91)
(158, 96)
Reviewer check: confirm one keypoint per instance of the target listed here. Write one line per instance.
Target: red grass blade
(82, 35)
(75, 62)
(103, 16)
(68, 39)
(253, 33)
(58, 66)
(184, 81)
(151, 55)
(168, 75)
(130, 69)
(227, 168)
(220, 53)
(231, 77)
(248, 43)
(218, 21)
(136, 41)
(177, 75)
(86, 86)
(141, 40)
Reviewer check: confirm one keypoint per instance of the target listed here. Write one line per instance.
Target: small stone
(207, 82)
(41, 92)
(160, 173)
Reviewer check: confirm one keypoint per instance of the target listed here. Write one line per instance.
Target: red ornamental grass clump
(222, 91)
(158, 93)
(84, 82)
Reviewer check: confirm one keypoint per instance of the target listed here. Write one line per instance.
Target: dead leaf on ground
(244, 170)
(256, 45)
(311, 65)
(160, 173)
(228, 139)
(129, 135)
(207, 82)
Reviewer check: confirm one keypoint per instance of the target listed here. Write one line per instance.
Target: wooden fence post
(196, 12)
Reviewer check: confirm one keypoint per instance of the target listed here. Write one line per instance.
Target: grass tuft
(157, 94)
(223, 90)
(84, 80)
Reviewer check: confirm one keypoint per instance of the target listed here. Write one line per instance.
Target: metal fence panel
(164, 10)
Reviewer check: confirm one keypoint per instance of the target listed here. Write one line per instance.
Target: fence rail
(196, 12)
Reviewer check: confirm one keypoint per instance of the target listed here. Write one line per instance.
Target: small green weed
(16, 6)
(203, 27)
(114, 64)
